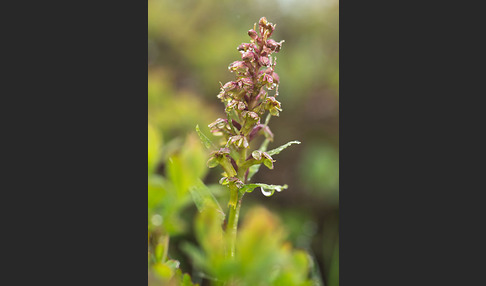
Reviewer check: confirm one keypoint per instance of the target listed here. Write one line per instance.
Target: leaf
(279, 149)
(268, 163)
(194, 253)
(161, 249)
(163, 271)
(204, 139)
(154, 150)
(203, 198)
(186, 280)
(173, 264)
(267, 190)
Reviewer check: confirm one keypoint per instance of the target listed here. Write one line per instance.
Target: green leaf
(163, 271)
(154, 144)
(173, 264)
(268, 163)
(212, 162)
(279, 149)
(204, 139)
(159, 252)
(195, 253)
(186, 280)
(267, 190)
(161, 249)
(203, 198)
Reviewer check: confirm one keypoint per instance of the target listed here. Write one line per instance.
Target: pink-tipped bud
(274, 46)
(248, 56)
(239, 67)
(247, 47)
(264, 61)
(247, 81)
(243, 47)
(276, 78)
(263, 22)
(253, 34)
(229, 86)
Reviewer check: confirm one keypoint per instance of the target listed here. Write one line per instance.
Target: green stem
(232, 227)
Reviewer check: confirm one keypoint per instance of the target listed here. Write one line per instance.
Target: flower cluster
(246, 100)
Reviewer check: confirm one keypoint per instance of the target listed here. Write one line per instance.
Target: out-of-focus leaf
(203, 198)
(163, 271)
(173, 264)
(159, 252)
(267, 190)
(188, 166)
(334, 267)
(209, 232)
(157, 194)
(154, 144)
(319, 172)
(195, 253)
(279, 149)
(161, 249)
(204, 139)
(186, 280)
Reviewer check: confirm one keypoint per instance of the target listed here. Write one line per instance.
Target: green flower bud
(257, 155)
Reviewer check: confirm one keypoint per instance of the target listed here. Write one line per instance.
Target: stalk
(232, 227)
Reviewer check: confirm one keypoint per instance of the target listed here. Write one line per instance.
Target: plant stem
(232, 226)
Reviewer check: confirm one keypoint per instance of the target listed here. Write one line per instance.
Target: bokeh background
(190, 45)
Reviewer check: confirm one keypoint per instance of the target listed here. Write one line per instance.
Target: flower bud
(263, 22)
(264, 61)
(252, 116)
(247, 47)
(230, 86)
(273, 45)
(248, 56)
(243, 47)
(275, 77)
(231, 105)
(247, 81)
(217, 157)
(238, 183)
(218, 124)
(257, 155)
(266, 27)
(266, 79)
(241, 105)
(253, 34)
(242, 142)
(272, 105)
(238, 67)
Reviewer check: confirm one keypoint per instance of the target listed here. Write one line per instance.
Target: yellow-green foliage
(263, 257)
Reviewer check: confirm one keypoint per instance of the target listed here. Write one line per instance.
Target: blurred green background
(190, 45)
